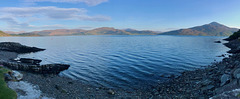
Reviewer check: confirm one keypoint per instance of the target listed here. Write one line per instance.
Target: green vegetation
(5, 92)
(235, 35)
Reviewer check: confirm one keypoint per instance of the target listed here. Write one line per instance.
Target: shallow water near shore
(128, 62)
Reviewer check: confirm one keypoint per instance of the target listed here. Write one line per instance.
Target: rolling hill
(4, 34)
(212, 29)
(97, 31)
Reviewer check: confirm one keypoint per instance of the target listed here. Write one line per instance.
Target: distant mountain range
(97, 31)
(212, 29)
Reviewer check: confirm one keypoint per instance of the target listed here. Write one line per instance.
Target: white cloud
(14, 25)
(53, 13)
(88, 2)
(21, 17)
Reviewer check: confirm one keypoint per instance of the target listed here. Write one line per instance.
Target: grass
(5, 92)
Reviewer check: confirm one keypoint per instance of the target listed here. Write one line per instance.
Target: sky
(156, 15)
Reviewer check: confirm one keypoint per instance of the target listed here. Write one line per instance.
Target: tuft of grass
(5, 92)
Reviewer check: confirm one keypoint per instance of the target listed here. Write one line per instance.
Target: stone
(225, 78)
(30, 61)
(17, 75)
(217, 41)
(206, 82)
(209, 87)
(40, 69)
(111, 92)
(236, 73)
(7, 77)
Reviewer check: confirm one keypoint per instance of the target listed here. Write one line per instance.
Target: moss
(5, 92)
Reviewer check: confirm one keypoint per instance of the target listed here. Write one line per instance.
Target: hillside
(212, 29)
(4, 34)
(97, 31)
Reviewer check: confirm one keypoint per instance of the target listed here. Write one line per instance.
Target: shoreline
(211, 81)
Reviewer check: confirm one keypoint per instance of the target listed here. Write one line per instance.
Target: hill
(4, 34)
(97, 31)
(212, 29)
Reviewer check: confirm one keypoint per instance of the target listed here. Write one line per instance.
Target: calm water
(124, 61)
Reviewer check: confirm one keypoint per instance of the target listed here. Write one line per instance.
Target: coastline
(209, 82)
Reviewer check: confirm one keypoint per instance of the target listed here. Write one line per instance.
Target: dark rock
(42, 69)
(206, 82)
(236, 73)
(7, 77)
(225, 78)
(30, 61)
(111, 92)
(217, 41)
(18, 48)
(209, 87)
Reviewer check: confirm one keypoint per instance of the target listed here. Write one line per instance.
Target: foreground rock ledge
(40, 69)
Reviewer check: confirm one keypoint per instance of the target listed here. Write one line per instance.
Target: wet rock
(7, 77)
(225, 78)
(209, 87)
(18, 48)
(236, 73)
(17, 75)
(41, 69)
(206, 82)
(111, 92)
(217, 41)
(30, 61)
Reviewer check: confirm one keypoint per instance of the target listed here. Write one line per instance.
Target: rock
(41, 69)
(111, 92)
(18, 48)
(217, 41)
(206, 82)
(225, 79)
(30, 61)
(7, 77)
(236, 73)
(209, 87)
(17, 75)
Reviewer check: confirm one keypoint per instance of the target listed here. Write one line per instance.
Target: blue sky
(157, 15)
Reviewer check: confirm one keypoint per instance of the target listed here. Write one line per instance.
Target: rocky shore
(220, 80)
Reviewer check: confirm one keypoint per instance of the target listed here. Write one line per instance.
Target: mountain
(106, 31)
(144, 32)
(4, 34)
(97, 31)
(212, 29)
(13, 32)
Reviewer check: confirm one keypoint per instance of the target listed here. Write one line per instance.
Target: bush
(235, 35)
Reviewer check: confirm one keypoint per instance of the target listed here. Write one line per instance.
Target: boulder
(209, 87)
(217, 41)
(205, 82)
(225, 79)
(17, 75)
(111, 92)
(7, 77)
(236, 73)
